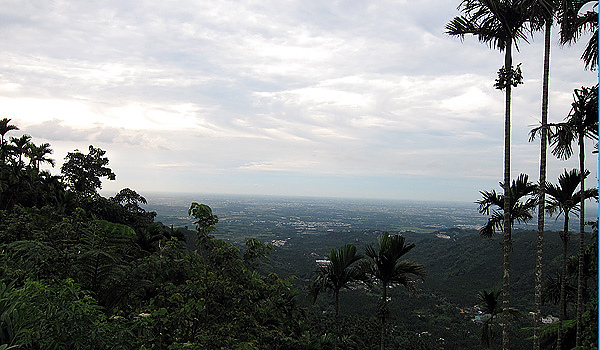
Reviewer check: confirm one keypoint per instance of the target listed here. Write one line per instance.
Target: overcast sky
(311, 97)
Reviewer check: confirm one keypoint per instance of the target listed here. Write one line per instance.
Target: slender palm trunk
(563, 279)
(2, 149)
(383, 315)
(542, 190)
(581, 238)
(337, 319)
(507, 243)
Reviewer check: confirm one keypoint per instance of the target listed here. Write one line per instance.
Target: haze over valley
(281, 216)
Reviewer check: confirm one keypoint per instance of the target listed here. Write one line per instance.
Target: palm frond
(535, 132)
(573, 25)
(489, 200)
(581, 120)
(494, 23)
(590, 53)
(523, 200)
(522, 187)
(490, 301)
(494, 224)
(409, 268)
(561, 139)
(341, 271)
(590, 193)
(564, 197)
(317, 285)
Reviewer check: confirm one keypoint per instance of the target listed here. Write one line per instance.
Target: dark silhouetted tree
(384, 265)
(83, 172)
(340, 272)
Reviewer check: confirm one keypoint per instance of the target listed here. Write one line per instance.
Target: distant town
(266, 216)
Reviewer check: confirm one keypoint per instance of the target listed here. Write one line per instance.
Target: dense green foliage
(80, 271)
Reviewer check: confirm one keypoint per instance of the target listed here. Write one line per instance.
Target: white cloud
(472, 100)
(34, 110)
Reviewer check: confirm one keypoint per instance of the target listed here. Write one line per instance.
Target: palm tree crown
(491, 305)
(385, 264)
(496, 23)
(522, 203)
(338, 273)
(38, 155)
(500, 24)
(581, 122)
(19, 146)
(562, 196)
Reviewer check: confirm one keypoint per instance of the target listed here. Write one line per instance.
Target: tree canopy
(83, 172)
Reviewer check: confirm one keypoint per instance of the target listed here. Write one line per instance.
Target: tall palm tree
(385, 266)
(490, 304)
(545, 13)
(563, 199)
(500, 24)
(581, 123)
(522, 204)
(339, 273)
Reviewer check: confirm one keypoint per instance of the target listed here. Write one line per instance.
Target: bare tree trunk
(542, 191)
(581, 239)
(507, 242)
(563, 278)
(337, 319)
(383, 315)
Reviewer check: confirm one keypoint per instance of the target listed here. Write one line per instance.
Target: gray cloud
(300, 87)
(56, 130)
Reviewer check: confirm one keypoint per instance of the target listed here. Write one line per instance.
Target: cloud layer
(276, 97)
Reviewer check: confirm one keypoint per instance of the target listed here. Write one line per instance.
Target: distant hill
(459, 261)
(459, 267)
